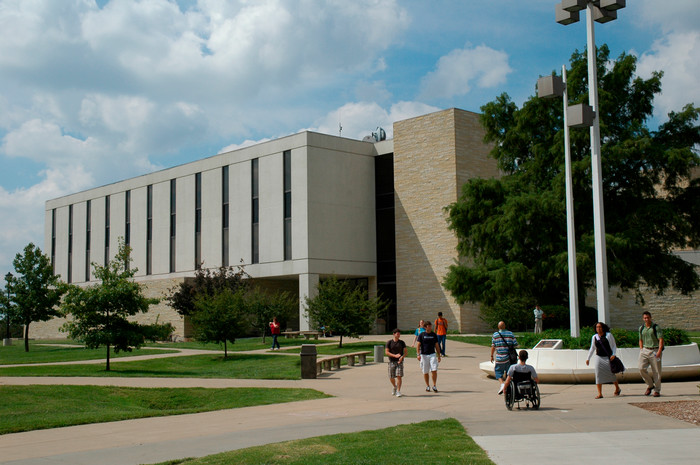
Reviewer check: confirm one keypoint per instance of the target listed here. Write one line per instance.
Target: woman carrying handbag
(603, 345)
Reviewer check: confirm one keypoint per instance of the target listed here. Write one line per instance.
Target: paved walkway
(571, 426)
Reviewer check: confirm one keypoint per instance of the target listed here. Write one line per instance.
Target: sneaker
(435, 389)
(427, 389)
(500, 391)
(393, 392)
(398, 394)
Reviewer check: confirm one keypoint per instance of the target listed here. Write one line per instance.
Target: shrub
(675, 337)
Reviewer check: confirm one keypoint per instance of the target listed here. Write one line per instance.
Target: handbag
(512, 354)
(616, 365)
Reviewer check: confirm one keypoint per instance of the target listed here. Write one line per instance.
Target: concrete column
(308, 287)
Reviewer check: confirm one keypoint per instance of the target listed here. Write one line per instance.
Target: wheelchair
(522, 388)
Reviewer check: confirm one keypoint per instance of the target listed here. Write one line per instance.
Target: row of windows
(225, 221)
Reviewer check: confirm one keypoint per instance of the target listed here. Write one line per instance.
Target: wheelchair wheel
(509, 397)
(535, 397)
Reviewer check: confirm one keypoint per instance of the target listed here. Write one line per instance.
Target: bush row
(623, 337)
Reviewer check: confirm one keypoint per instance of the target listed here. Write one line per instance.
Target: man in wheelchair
(521, 384)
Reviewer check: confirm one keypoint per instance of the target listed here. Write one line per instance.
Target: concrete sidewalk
(571, 426)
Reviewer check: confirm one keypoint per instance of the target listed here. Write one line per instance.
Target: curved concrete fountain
(569, 366)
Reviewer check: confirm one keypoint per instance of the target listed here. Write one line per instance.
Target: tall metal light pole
(551, 87)
(602, 11)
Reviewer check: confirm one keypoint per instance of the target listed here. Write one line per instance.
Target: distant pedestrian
(538, 319)
(603, 345)
(441, 331)
(429, 355)
(420, 329)
(501, 341)
(275, 330)
(651, 346)
(396, 352)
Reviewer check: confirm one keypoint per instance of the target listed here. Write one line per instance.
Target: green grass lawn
(40, 353)
(243, 344)
(431, 443)
(246, 366)
(25, 408)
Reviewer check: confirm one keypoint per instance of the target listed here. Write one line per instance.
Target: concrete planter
(569, 366)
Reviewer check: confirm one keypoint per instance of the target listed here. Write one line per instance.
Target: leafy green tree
(512, 231)
(263, 306)
(7, 307)
(344, 308)
(206, 282)
(37, 290)
(101, 312)
(220, 317)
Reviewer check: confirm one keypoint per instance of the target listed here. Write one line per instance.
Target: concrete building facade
(293, 211)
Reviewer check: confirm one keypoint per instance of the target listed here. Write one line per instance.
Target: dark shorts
(502, 370)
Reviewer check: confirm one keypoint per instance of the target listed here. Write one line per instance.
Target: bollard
(308, 361)
(378, 354)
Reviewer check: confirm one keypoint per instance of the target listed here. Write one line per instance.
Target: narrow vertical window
(53, 240)
(173, 205)
(106, 257)
(224, 215)
(197, 221)
(149, 228)
(287, 168)
(127, 224)
(70, 244)
(88, 225)
(255, 244)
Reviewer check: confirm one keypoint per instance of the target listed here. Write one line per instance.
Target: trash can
(379, 354)
(308, 361)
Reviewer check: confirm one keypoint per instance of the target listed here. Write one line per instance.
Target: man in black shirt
(429, 355)
(396, 352)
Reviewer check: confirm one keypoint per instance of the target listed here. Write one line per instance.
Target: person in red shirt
(441, 331)
(275, 330)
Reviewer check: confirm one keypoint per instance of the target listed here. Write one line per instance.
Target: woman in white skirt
(603, 345)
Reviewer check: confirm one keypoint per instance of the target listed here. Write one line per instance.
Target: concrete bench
(331, 361)
(295, 334)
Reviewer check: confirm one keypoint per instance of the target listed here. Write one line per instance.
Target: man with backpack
(503, 344)
(651, 345)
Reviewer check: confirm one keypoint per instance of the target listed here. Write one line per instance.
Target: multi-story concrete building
(291, 211)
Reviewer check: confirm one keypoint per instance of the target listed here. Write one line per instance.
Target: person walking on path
(651, 346)
(441, 331)
(420, 329)
(501, 341)
(275, 330)
(429, 355)
(603, 345)
(538, 319)
(396, 352)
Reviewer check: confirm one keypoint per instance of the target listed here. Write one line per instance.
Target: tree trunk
(340, 345)
(225, 349)
(107, 357)
(26, 337)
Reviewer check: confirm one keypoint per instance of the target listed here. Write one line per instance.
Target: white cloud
(360, 119)
(671, 16)
(678, 56)
(460, 70)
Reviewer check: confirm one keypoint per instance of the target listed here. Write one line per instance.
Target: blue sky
(95, 92)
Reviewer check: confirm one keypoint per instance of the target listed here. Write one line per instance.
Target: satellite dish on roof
(378, 136)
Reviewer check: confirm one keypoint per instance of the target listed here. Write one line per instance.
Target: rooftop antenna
(340, 126)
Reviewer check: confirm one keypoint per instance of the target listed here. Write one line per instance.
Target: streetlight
(576, 116)
(602, 11)
(8, 339)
